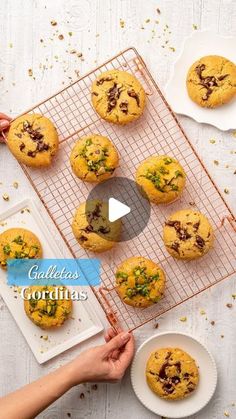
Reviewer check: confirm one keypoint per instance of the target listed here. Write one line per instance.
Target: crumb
(222, 336)
(212, 141)
(229, 305)
(226, 191)
(81, 396)
(147, 20)
(226, 414)
(172, 49)
(202, 312)
(213, 323)
(15, 185)
(44, 337)
(41, 40)
(122, 23)
(158, 11)
(69, 415)
(53, 23)
(183, 319)
(192, 203)
(30, 72)
(6, 197)
(79, 55)
(61, 37)
(194, 27)
(233, 404)
(156, 326)
(94, 387)
(70, 33)
(10, 45)
(234, 296)
(216, 162)
(235, 172)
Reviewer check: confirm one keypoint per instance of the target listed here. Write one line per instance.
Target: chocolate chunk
(104, 230)
(135, 95)
(168, 388)
(190, 386)
(113, 95)
(175, 224)
(88, 229)
(83, 238)
(175, 246)
(162, 372)
(18, 135)
(175, 380)
(208, 82)
(22, 146)
(124, 107)
(222, 77)
(178, 367)
(95, 93)
(196, 226)
(200, 241)
(31, 153)
(101, 81)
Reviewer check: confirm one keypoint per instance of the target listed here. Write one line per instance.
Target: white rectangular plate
(84, 322)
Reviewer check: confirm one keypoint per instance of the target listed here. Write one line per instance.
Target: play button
(116, 209)
(126, 202)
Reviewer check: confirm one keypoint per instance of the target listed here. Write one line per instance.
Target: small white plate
(84, 323)
(179, 408)
(195, 47)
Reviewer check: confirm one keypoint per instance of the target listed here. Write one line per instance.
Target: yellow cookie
(118, 97)
(94, 158)
(188, 234)
(18, 243)
(140, 282)
(47, 312)
(161, 178)
(171, 373)
(211, 81)
(33, 140)
(92, 229)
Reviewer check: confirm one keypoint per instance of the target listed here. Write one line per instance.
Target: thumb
(4, 124)
(117, 342)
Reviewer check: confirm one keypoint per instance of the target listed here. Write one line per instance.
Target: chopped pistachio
(216, 162)
(194, 27)
(234, 296)
(30, 72)
(6, 197)
(226, 191)
(202, 312)
(212, 141)
(53, 23)
(70, 33)
(226, 414)
(147, 20)
(183, 319)
(122, 23)
(15, 185)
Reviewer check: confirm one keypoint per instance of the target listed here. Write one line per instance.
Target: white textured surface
(97, 34)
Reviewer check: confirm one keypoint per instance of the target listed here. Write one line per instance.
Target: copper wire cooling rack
(156, 132)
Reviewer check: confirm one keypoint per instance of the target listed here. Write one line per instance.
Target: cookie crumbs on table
(5, 197)
(229, 305)
(183, 319)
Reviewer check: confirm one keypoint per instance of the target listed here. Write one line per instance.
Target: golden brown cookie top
(18, 243)
(172, 373)
(211, 81)
(33, 140)
(118, 97)
(188, 234)
(140, 282)
(162, 178)
(94, 158)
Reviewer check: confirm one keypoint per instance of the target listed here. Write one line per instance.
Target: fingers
(117, 342)
(4, 124)
(111, 333)
(4, 116)
(127, 354)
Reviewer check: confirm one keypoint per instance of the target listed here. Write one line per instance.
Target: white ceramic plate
(84, 322)
(195, 47)
(180, 408)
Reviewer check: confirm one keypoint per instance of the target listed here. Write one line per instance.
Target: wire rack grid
(156, 132)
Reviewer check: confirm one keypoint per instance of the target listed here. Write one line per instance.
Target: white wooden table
(96, 31)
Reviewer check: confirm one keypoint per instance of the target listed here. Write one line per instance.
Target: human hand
(107, 362)
(4, 124)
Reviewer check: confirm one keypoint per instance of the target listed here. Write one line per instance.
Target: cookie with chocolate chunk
(118, 97)
(162, 178)
(140, 282)
(94, 158)
(33, 140)
(92, 228)
(172, 373)
(211, 81)
(18, 243)
(188, 234)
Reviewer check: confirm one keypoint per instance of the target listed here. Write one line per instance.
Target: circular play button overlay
(125, 201)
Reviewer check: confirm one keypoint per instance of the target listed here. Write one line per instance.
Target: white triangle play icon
(116, 209)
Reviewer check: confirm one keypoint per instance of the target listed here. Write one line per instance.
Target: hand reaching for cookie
(4, 124)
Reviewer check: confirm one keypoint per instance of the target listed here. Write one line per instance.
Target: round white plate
(179, 408)
(195, 47)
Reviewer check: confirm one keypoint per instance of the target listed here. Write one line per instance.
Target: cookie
(211, 81)
(161, 178)
(172, 373)
(94, 158)
(118, 97)
(33, 140)
(188, 234)
(46, 312)
(18, 243)
(140, 282)
(92, 229)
